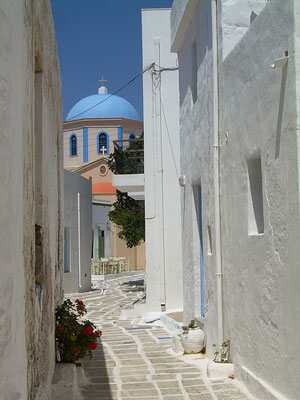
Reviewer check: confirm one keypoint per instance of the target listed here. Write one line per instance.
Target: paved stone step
(132, 362)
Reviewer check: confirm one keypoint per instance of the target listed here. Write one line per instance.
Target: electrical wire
(156, 82)
(170, 143)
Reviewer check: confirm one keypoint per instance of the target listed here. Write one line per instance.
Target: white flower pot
(193, 341)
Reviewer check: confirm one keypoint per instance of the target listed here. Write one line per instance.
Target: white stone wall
(161, 154)
(31, 176)
(78, 219)
(13, 362)
(259, 119)
(236, 16)
(261, 272)
(196, 140)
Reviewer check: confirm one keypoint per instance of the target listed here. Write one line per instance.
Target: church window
(131, 138)
(73, 145)
(103, 143)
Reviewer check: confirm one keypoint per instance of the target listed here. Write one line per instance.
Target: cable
(161, 69)
(117, 91)
(162, 107)
(156, 85)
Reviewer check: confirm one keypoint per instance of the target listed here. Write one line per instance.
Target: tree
(128, 214)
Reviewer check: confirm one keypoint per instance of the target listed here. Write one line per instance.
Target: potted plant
(75, 336)
(192, 338)
(222, 356)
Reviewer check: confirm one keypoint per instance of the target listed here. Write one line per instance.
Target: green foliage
(191, 325)
(222, 355)
(75, 337)
(128, 159)
(129, 216)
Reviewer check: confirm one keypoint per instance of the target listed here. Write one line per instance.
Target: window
(131, 138)
(103, 143)
(101, 245)
(255, 198)
(73, 145)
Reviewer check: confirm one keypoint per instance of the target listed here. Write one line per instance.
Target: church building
(91, 127)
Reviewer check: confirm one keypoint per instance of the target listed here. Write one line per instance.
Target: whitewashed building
(158, 185)
(77, 233)
(239, 140)
(162, 165)
(31, 244)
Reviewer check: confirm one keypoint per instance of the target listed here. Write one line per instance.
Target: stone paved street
(132, 361)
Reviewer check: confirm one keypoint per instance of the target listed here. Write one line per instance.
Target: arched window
(103, 143)
(131, 138)
(73, 145)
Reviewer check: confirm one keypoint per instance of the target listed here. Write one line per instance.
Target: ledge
(65, 383)
(129, 183)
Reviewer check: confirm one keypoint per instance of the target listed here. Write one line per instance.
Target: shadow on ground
(133, 286)
(96, 384)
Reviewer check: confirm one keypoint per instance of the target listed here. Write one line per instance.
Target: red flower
(98, 334)
(92, 345)
(62, 329)
(75, 350)
(79, 302)
(88, 330)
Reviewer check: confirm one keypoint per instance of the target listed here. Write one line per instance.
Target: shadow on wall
(194, 55)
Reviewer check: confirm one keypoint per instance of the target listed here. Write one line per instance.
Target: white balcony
(130, 183)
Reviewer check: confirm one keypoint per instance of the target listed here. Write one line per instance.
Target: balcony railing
(129, 156)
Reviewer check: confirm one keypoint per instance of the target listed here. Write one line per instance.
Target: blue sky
(100, 37)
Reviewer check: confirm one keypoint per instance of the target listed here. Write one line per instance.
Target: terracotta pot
(193, 340)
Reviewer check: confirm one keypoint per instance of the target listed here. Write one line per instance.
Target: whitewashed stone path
(132, 361)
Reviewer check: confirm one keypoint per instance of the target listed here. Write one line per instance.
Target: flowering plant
(75, 337)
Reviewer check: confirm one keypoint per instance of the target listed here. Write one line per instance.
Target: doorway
(101, 247)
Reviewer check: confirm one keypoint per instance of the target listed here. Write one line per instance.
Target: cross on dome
(102, 89)
(102, 80)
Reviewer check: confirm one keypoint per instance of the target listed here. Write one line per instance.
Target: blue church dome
(102, 106)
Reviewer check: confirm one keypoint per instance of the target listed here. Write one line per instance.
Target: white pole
(160, 179)
(216, 151)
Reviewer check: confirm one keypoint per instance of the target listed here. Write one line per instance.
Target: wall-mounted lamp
(281, 62)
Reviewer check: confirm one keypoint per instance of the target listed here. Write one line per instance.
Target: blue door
(201, 249)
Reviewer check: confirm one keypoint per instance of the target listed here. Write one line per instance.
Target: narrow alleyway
(132, 361)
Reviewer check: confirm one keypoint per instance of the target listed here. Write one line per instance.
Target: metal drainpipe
(216, 146)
